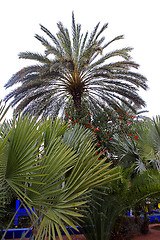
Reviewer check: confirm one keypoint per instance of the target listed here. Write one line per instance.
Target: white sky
(138, 20)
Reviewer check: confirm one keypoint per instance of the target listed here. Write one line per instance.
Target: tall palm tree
(76, 71)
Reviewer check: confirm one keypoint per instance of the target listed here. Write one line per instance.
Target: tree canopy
(77, 71)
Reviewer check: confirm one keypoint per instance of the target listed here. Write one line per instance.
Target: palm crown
(76, 72)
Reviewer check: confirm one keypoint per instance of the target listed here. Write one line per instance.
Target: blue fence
(17, 233)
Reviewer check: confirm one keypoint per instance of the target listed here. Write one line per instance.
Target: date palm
(76, 71)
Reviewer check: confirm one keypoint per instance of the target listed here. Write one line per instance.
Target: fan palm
(76, 72)
(143, 149)
(150, 143)
(34, 157)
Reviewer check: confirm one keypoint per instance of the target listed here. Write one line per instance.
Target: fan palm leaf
(77, 185)
(35, 156)
(144, 151)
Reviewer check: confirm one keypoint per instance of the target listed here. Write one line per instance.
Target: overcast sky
(138, 20)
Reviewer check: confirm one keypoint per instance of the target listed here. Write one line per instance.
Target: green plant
(76, 72)
(142, 150)
(35, 156)
(108, 204)
(126, 227)
(156, 220)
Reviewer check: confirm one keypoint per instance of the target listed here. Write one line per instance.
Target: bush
(126, 227)
(156, 220)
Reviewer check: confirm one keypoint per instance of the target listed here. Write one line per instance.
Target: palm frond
(3, 110)
(35, 159)
(76, 63)
(34, 56)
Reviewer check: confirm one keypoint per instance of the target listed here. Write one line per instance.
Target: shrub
(126, 227)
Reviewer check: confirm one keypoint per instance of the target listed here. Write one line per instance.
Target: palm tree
(143, 149)
(76, 72)
(34, 157)
(109, 202)
(149, 144)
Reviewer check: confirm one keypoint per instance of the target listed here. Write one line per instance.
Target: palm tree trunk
(78, 102)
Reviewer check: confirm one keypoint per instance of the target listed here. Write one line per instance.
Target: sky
(138, 21)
